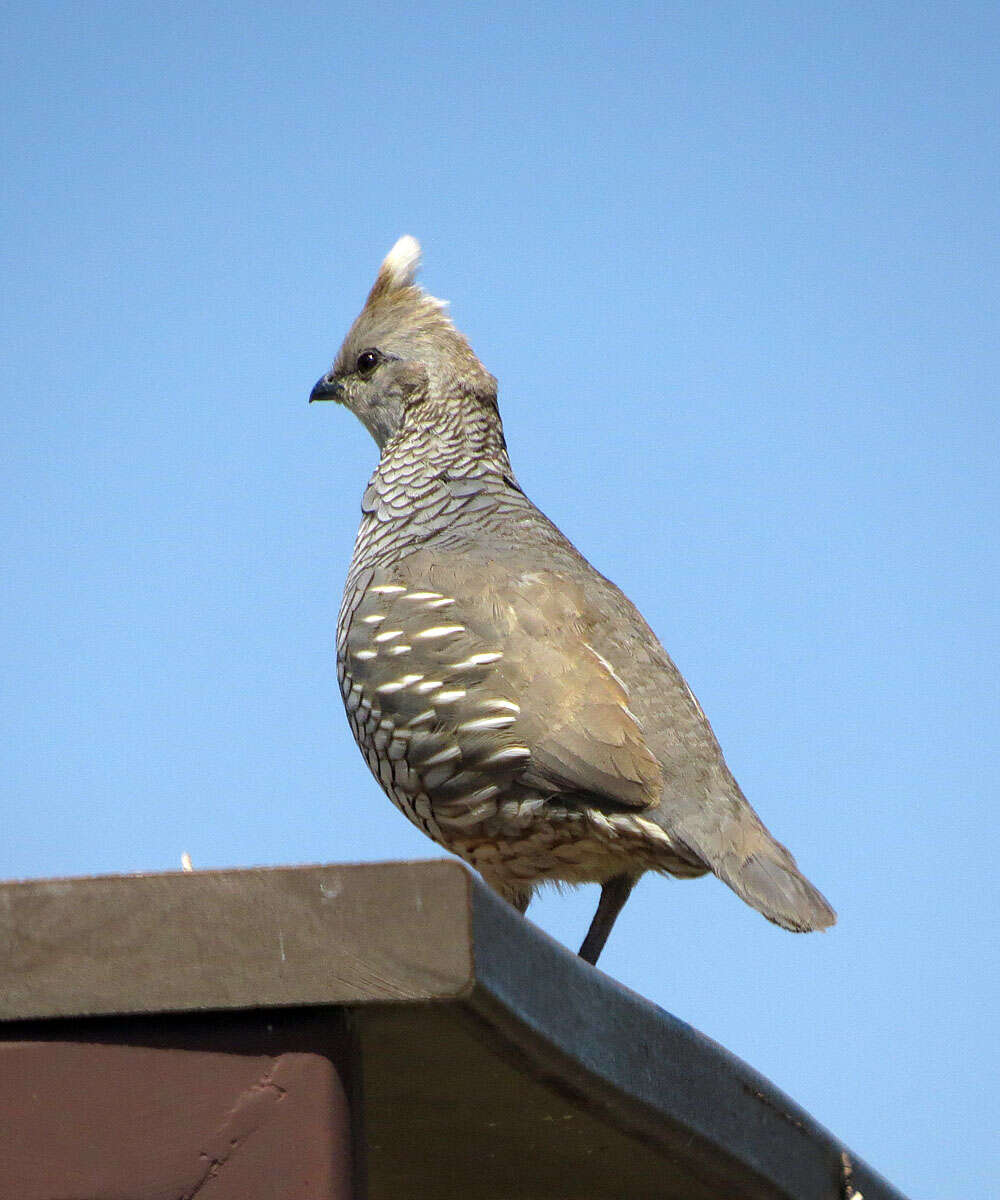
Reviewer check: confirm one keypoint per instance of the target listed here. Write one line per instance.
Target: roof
(484, 1043)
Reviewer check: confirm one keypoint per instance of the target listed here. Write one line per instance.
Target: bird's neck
(432, 476)
(462, 439)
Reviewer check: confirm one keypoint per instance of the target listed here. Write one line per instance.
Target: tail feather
(777, 889)
(743, 854)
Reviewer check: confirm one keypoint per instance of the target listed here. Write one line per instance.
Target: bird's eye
(367, 361)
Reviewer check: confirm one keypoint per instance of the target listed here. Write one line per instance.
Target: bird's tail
(763, 873)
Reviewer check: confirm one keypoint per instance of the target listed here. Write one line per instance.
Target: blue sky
(736, 269)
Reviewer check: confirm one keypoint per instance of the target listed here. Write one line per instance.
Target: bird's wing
(527, 633)
(577, 716)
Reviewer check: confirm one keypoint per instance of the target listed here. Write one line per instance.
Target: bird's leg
(614, 893)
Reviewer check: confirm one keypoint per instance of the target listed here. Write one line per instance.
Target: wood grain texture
(234, 939)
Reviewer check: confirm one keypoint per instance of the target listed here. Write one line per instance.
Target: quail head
(510, 700)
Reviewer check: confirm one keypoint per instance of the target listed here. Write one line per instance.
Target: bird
(508, 698)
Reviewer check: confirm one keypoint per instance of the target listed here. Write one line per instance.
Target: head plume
(399, 269)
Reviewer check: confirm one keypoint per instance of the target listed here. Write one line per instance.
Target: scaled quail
(511, 701)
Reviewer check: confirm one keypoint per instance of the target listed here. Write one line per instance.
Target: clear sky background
(735, 266)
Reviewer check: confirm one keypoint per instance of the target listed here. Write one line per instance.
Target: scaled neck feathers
(463, 437)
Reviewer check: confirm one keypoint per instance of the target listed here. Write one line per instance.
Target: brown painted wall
(91, 1120)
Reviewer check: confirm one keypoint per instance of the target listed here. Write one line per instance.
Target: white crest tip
(403, 262)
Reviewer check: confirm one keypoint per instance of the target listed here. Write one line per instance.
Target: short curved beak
(327, 388)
